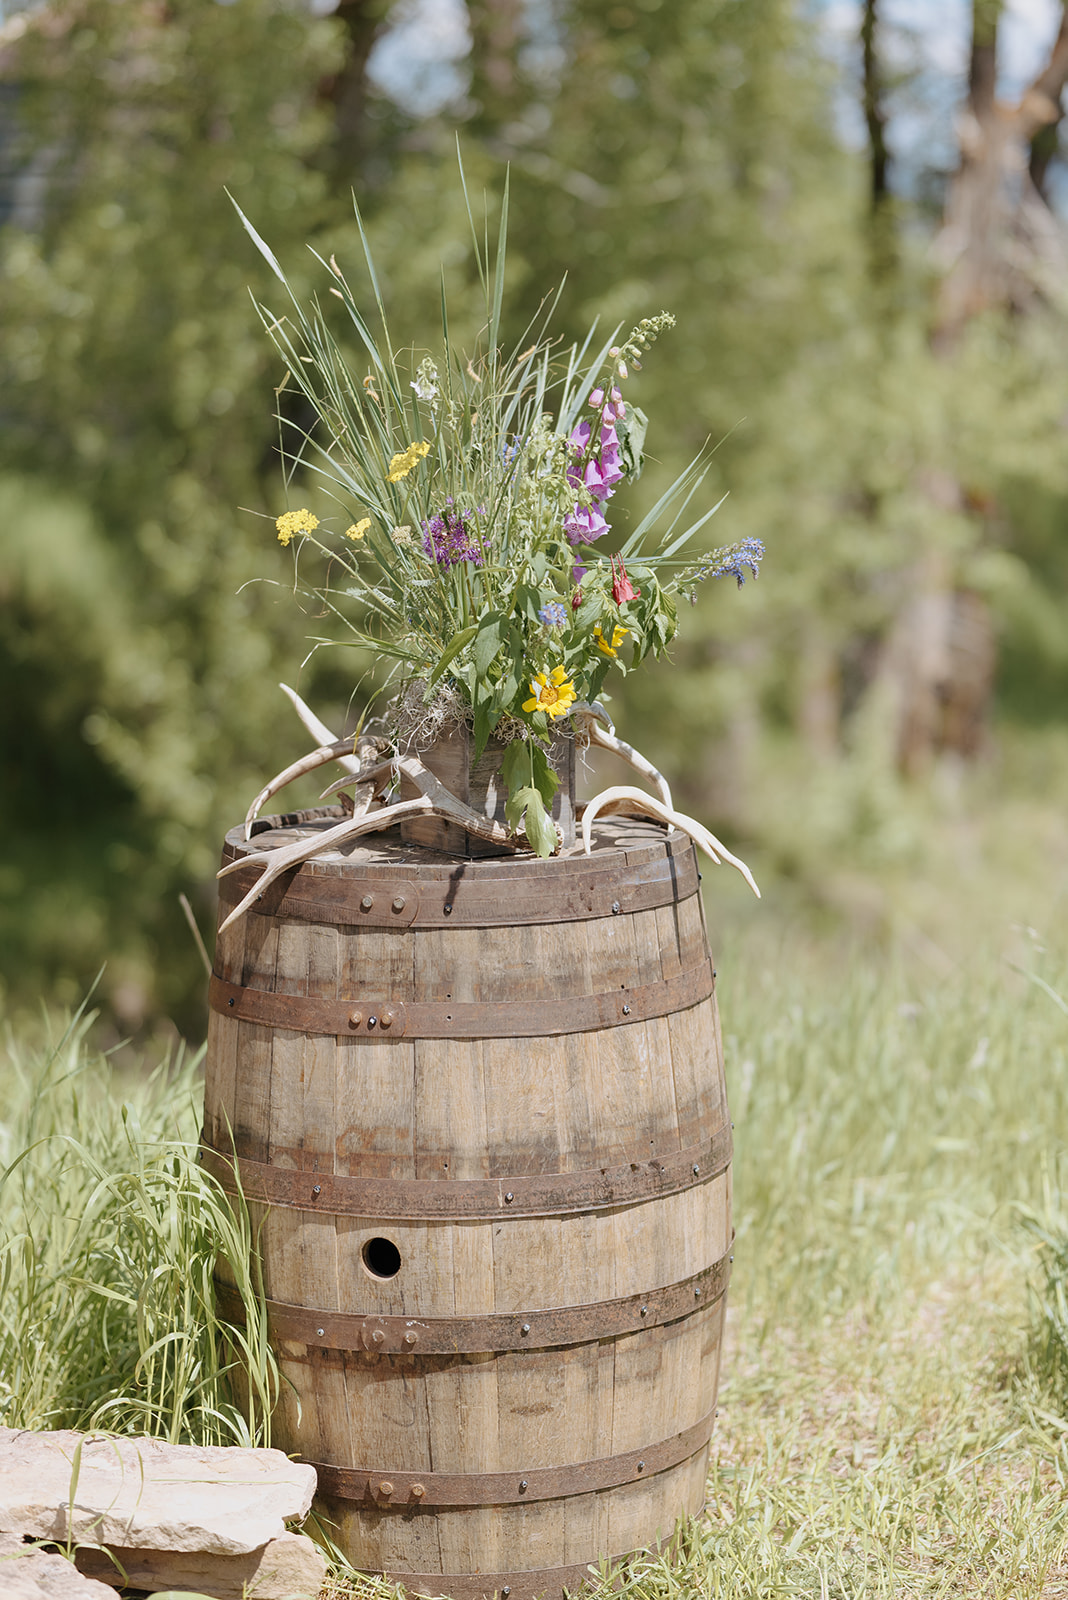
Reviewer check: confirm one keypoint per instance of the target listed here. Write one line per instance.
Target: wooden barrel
(483, 1105)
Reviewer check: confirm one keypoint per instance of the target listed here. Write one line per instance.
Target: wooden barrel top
(379, 880)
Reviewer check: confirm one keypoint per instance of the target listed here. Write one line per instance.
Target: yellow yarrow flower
(610, 647)
(358, 529)
(403, 462)
(552, 694)
(290, 523)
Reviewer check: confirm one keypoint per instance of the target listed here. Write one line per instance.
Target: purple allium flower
(450, 538)
(553, 614)
(732, 561)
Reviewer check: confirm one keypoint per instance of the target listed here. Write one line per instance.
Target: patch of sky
(924, 47)
(418, 61)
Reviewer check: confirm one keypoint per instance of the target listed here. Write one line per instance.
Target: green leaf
(540, 828)
(463, 638)
(485, 720)
(631, 430)
(525, 809)
(545, 779)
(487, 642)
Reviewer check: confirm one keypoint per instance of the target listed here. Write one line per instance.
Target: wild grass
(894, 1401)
(896, 1367)
(109, 1237)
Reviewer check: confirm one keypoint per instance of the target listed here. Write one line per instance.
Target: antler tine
(593, 708)
(590, 724)
(319, 729)
(275, 862)
(315, 758)
(701, 836)
(435, 800)
(373, 775)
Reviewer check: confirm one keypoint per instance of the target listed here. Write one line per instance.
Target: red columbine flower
(622, 588)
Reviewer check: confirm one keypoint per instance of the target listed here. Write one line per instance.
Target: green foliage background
(675, 153)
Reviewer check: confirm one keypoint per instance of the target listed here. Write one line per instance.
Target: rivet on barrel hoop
(522, 1485)
(411, 1338)
(645, 1311)
(372, 1022)
(367, 902)
(317, 1189)
(616, 908)
(418, 1490)
(386, 1019)
(385, 1488)
(509, 1197)
(626, 1011)
(398, 903)
(355, 1018)
(641, 1466)
(525, 1328)
(230, 1001)
(321, 1332)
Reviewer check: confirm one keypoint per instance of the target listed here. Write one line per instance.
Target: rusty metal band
(542, 1194)
(382, 1019)
(486, 1335)
(425, 1491)
(547, 1582)
(578, 890)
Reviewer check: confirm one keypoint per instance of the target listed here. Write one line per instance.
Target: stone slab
(148, 1495)
(290, 1567)
(29, 1574)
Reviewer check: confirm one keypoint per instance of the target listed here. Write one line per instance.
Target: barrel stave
(460, 1109)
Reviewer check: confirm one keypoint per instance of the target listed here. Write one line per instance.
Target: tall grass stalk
(110, 1234)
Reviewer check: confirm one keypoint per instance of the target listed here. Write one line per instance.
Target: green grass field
(894, 1404)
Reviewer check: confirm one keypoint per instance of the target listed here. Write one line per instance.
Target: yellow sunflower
(552, 694)
(610, 647)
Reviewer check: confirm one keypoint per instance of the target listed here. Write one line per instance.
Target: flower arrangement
(474, 499)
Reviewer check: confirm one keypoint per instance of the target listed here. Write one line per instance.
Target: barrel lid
(383, 880)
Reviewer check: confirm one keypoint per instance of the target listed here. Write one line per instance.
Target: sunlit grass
(889, 1419)
(109, 1237)
(894, 1404)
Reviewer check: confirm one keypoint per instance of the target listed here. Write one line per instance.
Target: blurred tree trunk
(497, 31)
(998, 241)
(881, 229)
(347, 88)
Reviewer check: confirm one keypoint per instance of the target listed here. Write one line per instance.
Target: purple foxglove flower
(585, 524)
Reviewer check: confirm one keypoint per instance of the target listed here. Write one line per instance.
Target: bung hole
(381, 1258)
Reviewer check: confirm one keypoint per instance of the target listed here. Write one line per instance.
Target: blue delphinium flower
(553, 614)
(732, 561)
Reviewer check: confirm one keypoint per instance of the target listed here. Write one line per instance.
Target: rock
(287, 1568)
(144, 1494)
(29, 1574)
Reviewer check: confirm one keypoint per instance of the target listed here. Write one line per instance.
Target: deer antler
(319, 729)
(592, 720)
(642, 802)
(434, 801)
